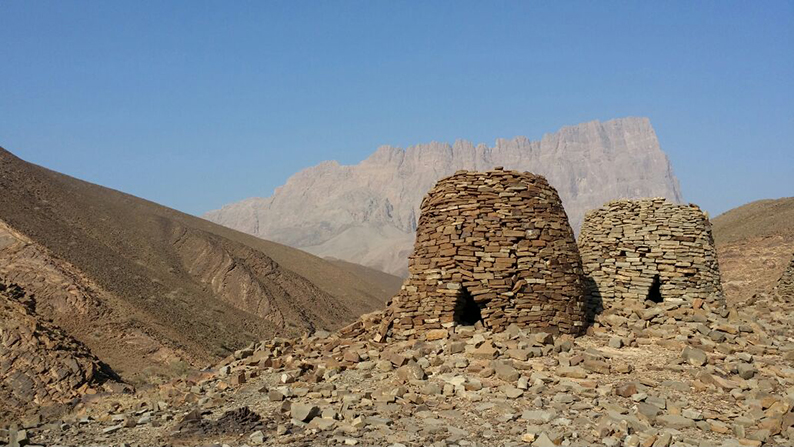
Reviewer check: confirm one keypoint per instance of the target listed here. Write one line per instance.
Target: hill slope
(387, 284)
(762, 218)
(367, 213)
(754, 244)
(145, 286)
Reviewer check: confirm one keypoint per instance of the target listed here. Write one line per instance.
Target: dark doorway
(467, 312)
(655, 292)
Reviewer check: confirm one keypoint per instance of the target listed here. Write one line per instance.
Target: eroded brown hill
(754, 244)
(148, 288)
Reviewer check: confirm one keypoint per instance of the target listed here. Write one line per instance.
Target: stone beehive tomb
(785, 285)
(494, 247)
(640, 252)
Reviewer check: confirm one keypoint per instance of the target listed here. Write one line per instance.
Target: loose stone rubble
(722, 381)
(649, 249)
(494, 246)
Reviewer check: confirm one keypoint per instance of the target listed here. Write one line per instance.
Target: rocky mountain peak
(367, 213)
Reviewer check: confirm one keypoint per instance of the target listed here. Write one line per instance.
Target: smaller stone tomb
(649, 250)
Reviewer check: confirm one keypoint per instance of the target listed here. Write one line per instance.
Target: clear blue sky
(196, 104)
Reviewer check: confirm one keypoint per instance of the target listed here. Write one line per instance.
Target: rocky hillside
(40, 365)
(658, 375)
(150, 290)
(367, 213)
(755, 243)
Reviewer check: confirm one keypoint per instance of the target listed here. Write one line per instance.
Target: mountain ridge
(367, 212)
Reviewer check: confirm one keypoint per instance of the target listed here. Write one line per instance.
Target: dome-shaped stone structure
(649, 250)
(785, 285)
(494, 247)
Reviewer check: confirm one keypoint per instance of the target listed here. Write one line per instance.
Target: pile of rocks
(637, 253)
(467, 385)
(41, 367)
(495, 245)
(785, 285)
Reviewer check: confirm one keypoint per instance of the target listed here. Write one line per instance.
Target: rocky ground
(656, 376)
(40, 363)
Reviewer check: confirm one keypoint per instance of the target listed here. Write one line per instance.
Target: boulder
(411, 371)
(303, 412)
(505, 371)
(694, 356)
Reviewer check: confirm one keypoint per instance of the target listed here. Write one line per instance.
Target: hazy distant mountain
(146, 288)
(367, 213)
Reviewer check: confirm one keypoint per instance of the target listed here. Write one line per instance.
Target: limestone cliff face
(367, 213)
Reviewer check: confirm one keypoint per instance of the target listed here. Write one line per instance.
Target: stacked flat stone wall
(785, 285)
(630, 247)
(502, 238)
